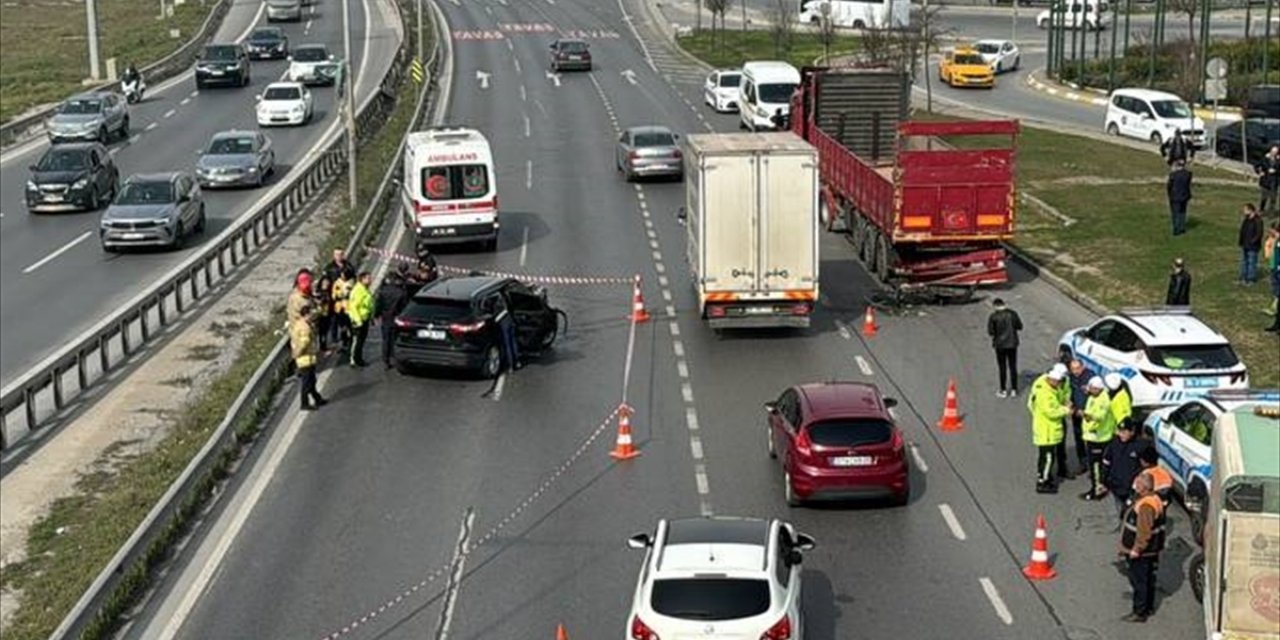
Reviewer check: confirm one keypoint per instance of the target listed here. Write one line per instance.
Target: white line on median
(863, 365)
(528, 131)
(524, 247)
(919, 459)
(528, 174)
(994, 596)
(952, 522)
(59, 251)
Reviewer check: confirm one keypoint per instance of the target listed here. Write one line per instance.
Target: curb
(1056, 281)
(1096, 97)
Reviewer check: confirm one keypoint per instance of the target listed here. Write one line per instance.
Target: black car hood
(57, 177)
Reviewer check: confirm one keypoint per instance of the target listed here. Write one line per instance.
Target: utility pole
(350, 104)
(418, 6)
(1111, 66)
(1266, 38)
(1013, 28)
(91, 11)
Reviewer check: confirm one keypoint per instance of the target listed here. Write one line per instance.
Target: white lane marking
(952, 522)
(705, 509)
(483, 78)
(528, 130)
(524, 247)
(510, 47)
(893, 414)
(59, 251)
(517, 62)
(657, 256)
(920, 463)
(686, 392)
(844, 330)
(700, 474)
(169, 113)
(671, 311)
(151, 126)
(640, 195)
(653, 244)
(662, 281)
(994, 596)
(678, 347)
(460, 553)
(695, 447)
(499, 386)
(863, 366)
(195, 93)
(666, 295)
(675, 328)
(134, 139)
(524, 96)
(691, 418)
(185, 100)
(528, 174)
(306, 28)
(488, 10)
(682, 369)
(660, 268)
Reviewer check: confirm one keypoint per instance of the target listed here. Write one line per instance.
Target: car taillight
(1156, 378)
(675, 153)
(715, 312)
(804, 446)
(801, 309)
(458, 329)
(403, 324)
(641, 631)
(633, 155)
(780, 630)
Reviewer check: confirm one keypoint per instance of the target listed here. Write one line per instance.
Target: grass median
(68, 547)
(45, 55)
(733, 47)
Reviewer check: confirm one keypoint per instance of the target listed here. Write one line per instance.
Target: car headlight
(32, 186)
(252, 169)
(298, 109)
(81, 183)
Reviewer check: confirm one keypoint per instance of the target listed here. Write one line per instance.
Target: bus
(858, 14)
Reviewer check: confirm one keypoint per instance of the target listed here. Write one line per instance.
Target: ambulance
(448, 192)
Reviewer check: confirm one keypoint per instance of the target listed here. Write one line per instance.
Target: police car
(1166, 355)
(1183, 435)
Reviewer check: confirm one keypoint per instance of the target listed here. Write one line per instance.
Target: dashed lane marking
(57, 252)
(151, 126)
(185, 100)
(993, 595)
(524, 96)
(700, 475)
(691, 418)
(863, 365)
(682, 369)
(919, 459)
(169, 114)
(675, 328)
(671, 311)
(498, 386)
(952, 522)
(686, 392)
(524, 247)
(517, 63)
(678, 347)
(695, 447)
(528, 130)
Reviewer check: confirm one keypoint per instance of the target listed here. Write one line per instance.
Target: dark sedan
(570, 55)
(70, 177)
(1263, 133)
(267, 43)
(158, 210)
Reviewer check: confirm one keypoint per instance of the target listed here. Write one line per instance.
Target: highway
(55, 280)
(343, 525)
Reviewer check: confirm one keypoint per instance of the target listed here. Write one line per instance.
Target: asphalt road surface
(55, 280)
(348, 519)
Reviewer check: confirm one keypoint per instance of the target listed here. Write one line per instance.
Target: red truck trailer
(918, 211)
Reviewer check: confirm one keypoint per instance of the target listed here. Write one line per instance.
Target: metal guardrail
(32, 125)
(37, 398)
(147, 547)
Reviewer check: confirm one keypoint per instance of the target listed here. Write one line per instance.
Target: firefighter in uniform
(1049, 403)
(1097, 429)
(304, 347)
(1141, 542)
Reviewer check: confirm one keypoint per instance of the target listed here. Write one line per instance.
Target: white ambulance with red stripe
(448, 192)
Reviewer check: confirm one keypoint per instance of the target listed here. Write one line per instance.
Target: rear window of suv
(1192, 357)
(710, 598)
(437, 309)
(850, 432)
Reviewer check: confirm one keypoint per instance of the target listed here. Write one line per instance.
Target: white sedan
(720, 91)
(1002, 55)
(284, 103)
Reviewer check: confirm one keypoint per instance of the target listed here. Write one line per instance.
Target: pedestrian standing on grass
(360, 311)
(1179, 294)
(1177, 150)
(1003, 326)
(1273, 263)
(305, 350)
(1268, 171)
(1250, 242)
(1079, 377)
(1178, 188)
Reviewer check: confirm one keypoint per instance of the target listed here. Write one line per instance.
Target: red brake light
(402, 323)
(676, 154)
(641, 631)
(460, 329)
(801, 309)
(804, 446)
(779, 631)
(715, 312)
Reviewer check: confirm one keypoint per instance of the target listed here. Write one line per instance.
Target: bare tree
(826, 30)
(782, 28)
(907, 49)
(1187, 53)
(717, 8)
(1189, 8)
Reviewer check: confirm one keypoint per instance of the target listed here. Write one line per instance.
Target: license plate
(131, 236)
(760, 311)
(53, 197)
(575, 57)
(216, 72)
(431, 334)
(444, 231)
(853, 461)
(1207, 382)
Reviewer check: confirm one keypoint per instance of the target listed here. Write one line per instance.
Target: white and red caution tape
(523, 277)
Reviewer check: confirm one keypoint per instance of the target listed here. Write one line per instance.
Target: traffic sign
(1216, 68)
(1215, 89)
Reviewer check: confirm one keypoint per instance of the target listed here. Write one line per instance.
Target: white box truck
(751, 212)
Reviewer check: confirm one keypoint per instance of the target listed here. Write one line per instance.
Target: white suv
(719, 578)
(1152, 115)
(1166, 355)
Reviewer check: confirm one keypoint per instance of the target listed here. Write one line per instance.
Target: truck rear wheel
(883, 258)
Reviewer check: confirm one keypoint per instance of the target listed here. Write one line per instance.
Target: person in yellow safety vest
(341, 323)
(1121, 400)
(360, 311)
(1097, 429)
(305, 349)
(1161, 479)
(1141, 541)
(1049, 403)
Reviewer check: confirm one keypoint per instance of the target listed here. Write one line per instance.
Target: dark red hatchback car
(837, 441)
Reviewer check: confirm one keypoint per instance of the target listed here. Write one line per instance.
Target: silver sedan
(236, 158)
(650, 151)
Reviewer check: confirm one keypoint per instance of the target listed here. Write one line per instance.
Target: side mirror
(770, 407)
(32, 167)
(794, 558)
(258, 97)
(805, 542)
(890, 402)
(332, 57)
(640, 541)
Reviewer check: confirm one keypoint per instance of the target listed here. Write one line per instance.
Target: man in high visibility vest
(1161, 480)
(1121, 399)
(1141, 542)
(1097, 429)
(305, 349)
(1049, 403)
(360, 310)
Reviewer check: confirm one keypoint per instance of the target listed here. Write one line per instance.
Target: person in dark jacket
(1121, 463)
(1078, 375)
(422, 274)
(1178, 188)
(1177, 149)
(1269, 180)
(1179, 294)
(393, 295)
(1250, 242)
(1003, 326)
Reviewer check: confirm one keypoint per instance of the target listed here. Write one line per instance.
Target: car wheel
(789, 493)
(999, 67)
(261, 178)
(124, 128)
(179, 238)
(492, 365)
(1017, 62)
(1042, 24)
(768, 436)
(1195, 575)
(202, 222)
(1113, 130)
(1155, 137)
(103, 135)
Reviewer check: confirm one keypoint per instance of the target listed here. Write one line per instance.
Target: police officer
(1120, 465)
(1097, 430)
(392, 298)
(1121, 399)
(507, 325)
(360, 310)
(1141, 542)
(1048, 405)
(305, 348)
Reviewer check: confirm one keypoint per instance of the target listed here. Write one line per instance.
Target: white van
(765, 90)
(858, 14)
(1152, 115)
(448, 191)
(1091, 15)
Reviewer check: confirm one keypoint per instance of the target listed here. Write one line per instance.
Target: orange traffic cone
(638, 313)
(1040, 569)
(561, 634)
(623, 449)
(951, 410)
(869, 323)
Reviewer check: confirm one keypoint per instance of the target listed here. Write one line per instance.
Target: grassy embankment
(733, 47)
(46, 53)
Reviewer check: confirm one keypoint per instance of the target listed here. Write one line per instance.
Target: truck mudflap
(971, 269)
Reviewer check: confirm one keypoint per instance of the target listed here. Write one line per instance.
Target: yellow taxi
(964, 67)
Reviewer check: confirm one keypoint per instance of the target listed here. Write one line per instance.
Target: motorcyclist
(132, 83)
(130, 74)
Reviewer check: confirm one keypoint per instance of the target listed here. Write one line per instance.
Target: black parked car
(1263, 133)
(268, 43)
(570, 54)
(222, 64)
(453, 323)
(71, 177)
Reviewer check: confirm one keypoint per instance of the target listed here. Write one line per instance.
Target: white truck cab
(448, 191)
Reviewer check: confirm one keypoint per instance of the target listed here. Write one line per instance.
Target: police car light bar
(1247, 395)
(1152, 311)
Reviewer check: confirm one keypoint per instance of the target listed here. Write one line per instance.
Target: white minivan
(765, 91)
(1152, 115)
(1091, 15)
(448, 190)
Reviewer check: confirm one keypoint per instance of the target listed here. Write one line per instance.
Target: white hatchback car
(284, 103)
(719, 578)
(1166, 355)
(720, 91)
(1002, 55)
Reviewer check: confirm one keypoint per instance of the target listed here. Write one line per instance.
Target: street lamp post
(418, 6)
(1013, 28)
(349, 103)
(91, 12)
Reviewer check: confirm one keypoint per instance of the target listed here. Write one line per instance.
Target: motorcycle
(133, 89)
